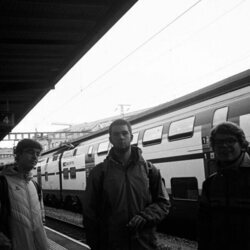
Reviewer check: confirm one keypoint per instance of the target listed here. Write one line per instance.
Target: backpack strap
(148, 168)
(38, 189)
(4, 207)
(39, 193)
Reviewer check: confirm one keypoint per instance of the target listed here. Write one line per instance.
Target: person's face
(121, 138)
(28, 158)
(226, 147)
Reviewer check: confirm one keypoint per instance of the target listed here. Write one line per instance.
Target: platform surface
(58, 241)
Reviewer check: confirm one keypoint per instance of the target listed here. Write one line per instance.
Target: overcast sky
(158, 51)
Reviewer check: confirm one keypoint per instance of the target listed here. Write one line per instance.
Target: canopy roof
(40, 41)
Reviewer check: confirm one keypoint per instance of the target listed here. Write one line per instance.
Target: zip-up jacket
(25, 223)
(114, 195)
(224, 218)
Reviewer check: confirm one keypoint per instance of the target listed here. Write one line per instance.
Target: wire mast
(123, 108)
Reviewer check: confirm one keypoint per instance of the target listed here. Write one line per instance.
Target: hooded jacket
(224, 218)
(25, 217)
(114, 195)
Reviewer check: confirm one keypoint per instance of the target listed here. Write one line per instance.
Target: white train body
(173, 136)
(73, 167)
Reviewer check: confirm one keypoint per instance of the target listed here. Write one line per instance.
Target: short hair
(229, 128)
(26, 143)
(119, 122)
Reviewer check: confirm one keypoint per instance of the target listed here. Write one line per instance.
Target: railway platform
(58, 241)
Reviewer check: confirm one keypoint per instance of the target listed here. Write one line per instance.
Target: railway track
(65, 222)
(66, 228)
(70, 224)
(64, 216)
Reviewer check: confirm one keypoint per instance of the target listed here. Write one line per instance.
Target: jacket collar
(242, 162)
(136, 155)
(12, 170)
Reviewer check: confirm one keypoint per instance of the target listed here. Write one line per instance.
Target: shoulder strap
(38, 189)
(148, 168)
(4, 206)
(4, 193)
(104, 170)
(39, 193)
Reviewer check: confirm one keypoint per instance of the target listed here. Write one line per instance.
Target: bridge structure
(47, 139)
(63, 135)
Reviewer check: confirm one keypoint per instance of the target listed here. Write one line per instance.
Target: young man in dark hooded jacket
(125, 197)
(224, 216)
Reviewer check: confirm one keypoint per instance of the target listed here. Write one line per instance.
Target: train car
(174, 136)
(73, 178)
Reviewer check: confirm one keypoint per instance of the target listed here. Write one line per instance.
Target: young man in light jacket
(21, 218)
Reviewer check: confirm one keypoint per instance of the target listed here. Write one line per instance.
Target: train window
(220, 115)
(90, 150)
(55, 157)
(152, 135)
(72, 173)
(181, 129)
(103, 147)
(135, 138)
(46, 176)
(74, 152)
(65, 173)
(244, 124)
(68, 153)
(211, 167)
(80, 150)
(184, 188)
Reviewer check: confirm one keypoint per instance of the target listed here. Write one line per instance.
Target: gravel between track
(166, 242)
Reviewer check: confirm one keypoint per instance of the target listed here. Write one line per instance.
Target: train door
(219, 115)
(244, 122)
(89, 160)
(39, 176)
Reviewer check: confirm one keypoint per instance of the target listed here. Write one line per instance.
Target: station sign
(7, 119)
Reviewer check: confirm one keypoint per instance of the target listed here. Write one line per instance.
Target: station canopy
(40, 40)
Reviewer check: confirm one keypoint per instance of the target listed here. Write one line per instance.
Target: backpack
(4, 207)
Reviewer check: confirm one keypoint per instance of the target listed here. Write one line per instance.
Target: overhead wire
(146, 42)
(127, 56)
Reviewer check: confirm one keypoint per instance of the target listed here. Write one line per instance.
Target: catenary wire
(127, 56)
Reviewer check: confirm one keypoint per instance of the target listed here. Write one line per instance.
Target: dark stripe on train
(80, 169)
(57, 173)
(158, 160)
(178, 158)
(47, 174)
(51, 174)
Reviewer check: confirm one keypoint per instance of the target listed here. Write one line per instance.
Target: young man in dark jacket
(225, 201)
(125, 197)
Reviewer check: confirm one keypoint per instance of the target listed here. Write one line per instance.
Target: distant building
(6, 156)
(83, 128)
(55, 139)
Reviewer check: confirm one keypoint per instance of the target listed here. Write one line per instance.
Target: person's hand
(5, 243)
(136, 223)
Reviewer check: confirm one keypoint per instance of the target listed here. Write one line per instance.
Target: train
(174, 136)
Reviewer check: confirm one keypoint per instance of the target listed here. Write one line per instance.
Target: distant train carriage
(174, 136)
(73, 177)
